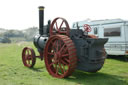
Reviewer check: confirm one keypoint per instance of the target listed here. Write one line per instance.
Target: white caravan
(114, 29)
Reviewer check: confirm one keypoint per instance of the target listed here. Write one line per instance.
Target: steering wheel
(87, 28)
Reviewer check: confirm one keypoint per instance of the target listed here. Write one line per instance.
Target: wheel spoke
(65, 63)
(61, 25)
(57, 26)
(66, 60)
(54, 29)
(56, 66)
(57, 69)
(61, 68)
(27, 52)
(52, 43)
(50, 53)
(64, 51)
(54, 47)
(65, 55)
(52, 64)
(26, 56)
(62, 48)
(57, 47)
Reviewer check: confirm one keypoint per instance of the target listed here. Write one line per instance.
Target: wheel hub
(57, 58)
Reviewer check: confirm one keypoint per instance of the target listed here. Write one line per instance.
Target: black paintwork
(41, 19)
(90, 52)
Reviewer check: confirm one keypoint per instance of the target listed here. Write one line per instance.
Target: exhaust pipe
(41, 19)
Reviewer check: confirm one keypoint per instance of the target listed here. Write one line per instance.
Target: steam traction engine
(65, 49)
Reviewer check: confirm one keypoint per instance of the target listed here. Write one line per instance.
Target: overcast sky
(22, 14)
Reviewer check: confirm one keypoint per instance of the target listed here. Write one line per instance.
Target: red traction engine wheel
(59, 26)
(28, 57)
(60, 56)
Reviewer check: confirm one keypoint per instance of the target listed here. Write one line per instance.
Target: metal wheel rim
(28, 57)
(60, 72)
(58, 28)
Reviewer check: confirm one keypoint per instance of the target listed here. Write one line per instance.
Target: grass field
(13, 72)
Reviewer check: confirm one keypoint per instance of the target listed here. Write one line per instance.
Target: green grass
(13, 72)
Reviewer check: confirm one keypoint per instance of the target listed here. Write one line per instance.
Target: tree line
(7, 36)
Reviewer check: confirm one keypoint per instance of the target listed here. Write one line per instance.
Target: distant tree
(30, 33)
(5, 40)
(27, 34)
(13, 33)
(2, 31)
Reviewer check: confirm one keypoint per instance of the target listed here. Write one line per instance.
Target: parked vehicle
(114, 29)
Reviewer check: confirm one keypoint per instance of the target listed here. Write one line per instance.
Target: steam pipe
(41, 19)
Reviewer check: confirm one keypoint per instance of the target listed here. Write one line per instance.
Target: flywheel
(59, 26)
(60, 56)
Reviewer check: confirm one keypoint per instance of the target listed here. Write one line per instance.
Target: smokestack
(41, 19)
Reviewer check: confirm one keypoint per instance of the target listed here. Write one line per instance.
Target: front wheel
(28, 57)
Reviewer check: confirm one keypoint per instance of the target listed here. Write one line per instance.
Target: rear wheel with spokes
(60, 56)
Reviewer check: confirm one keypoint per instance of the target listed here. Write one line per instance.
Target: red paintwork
(55, 29)
(87, 28)
(60, 56)
(28, 57)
